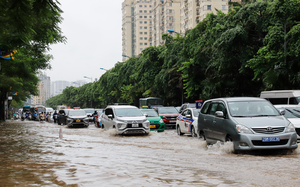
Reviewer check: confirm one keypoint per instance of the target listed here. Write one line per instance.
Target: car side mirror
(110, 116)
(282, 111)
(219, 114)
(188, 116)
(146, 115)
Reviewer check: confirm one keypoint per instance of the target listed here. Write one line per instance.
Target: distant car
(77, 118)
(89, 113)
(98, 118)
(292, 113)
(187, 105)
(125, 119)
(156, 123)
(250, 123)
(187, 122)
(169, 114)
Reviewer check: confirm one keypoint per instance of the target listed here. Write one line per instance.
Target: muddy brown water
(46, 154)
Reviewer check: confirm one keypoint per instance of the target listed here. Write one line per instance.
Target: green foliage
(236, 54)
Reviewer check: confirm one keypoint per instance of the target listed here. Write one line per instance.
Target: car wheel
(179, 131)
(201, 136)
(228, 138)
(193, 132)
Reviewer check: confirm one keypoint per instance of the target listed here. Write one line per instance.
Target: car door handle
(204, 120)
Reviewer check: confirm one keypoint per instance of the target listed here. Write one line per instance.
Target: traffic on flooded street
(39, 153)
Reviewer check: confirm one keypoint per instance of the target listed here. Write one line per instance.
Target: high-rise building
(58, 86)
(144, 21)
(136, 26)
(43, 89)
(166, 16)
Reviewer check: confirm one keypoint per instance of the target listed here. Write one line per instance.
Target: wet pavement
(46, 154)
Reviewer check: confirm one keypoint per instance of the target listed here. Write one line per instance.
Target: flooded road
(46, 154)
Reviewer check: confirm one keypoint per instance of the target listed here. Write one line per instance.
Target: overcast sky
(94, 39)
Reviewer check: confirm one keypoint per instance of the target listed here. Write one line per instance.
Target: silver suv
(125, 119)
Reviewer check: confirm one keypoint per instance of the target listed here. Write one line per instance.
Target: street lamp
(126, 56)
(171, 31)
(103, 69)
(89, 78)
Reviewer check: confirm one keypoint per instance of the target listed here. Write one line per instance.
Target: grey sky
(94, 39)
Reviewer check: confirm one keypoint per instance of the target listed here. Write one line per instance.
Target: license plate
(270, 139)
(78, 120)
(135, 125)
(152, 126)
(172, 121)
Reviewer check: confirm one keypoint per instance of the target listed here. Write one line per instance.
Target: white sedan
(292, 113)
(187, 121)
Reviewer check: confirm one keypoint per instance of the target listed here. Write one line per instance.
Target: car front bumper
(254, 141)
(131, 131)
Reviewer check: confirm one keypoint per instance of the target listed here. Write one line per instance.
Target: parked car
(169, 115)
(156, 123)
(89, 113)
(292, 113)
(250, 123)
(125, 119)
(77, 118)
(187, 122)
(187, 105)
(98, 118)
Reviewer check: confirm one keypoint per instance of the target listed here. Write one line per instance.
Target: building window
(141, 22)
(145, 44)
(145, 11)
(223, 7)
(150, 16)
(141, 32)
(141, 11)
(141, 16)
(150, 5)
(145, 27)
(141, 38)
(170, 4)
(150, 11)
(150, 44)
(145, 16)
(145, 5)
(145, 32)
(141, 49)
(141, 27)
(208, 7)
(145, 38)
(145, 22)
(141, 5)
(141, 43)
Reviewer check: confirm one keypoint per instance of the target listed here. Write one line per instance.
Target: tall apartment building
(58, 86)
(43, 89)
(166, 16)
(136, 26)
(144, 21)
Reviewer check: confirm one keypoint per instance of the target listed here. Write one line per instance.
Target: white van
(279, 97)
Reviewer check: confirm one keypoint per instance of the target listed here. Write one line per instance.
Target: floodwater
(46, 154)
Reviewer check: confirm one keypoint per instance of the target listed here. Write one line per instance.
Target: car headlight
(161, 121)
(146, 124)
(86, 120)
(290, 128)
(243, 129)
(121, 125)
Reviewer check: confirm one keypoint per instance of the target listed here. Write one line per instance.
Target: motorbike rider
(42, 116)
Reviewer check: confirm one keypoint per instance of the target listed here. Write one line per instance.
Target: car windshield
(150, 113)
(128, 112)
(89, 110)
(252, 109)
(191, 105)
(196, 112)
(170, 110)
(291, 112)
(77, 113)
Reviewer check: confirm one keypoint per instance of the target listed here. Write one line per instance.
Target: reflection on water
(45, 154)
